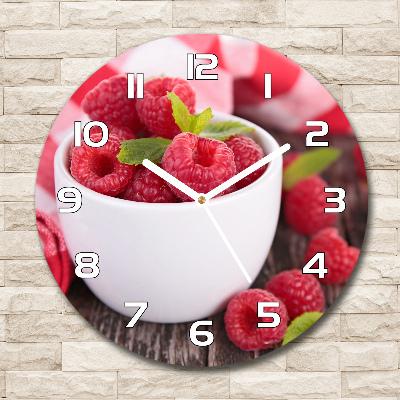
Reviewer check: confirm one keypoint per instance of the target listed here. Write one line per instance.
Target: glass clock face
(201, 200)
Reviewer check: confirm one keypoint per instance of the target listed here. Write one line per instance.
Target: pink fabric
(55, 250)
(296, 98)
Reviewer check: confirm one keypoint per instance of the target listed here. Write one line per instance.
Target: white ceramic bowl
(170, 255)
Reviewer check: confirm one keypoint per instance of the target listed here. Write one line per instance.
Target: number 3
(339, 200)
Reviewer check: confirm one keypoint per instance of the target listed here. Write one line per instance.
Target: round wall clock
(201, 200)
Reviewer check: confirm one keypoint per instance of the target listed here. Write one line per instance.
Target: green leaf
(309, 163)
(186, 121)
(136, 150)
(300, 325)
(224, 130)
(199, 121)
(180, 112)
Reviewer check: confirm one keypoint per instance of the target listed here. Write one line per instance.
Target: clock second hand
(228, 245)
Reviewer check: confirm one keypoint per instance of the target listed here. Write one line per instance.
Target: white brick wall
(47, 48)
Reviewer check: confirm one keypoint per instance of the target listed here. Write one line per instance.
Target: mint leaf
(134, 151)
(300, 325)
(186, 121)
(199, 121)
(224, 130)
(309, 163)
(180, 112)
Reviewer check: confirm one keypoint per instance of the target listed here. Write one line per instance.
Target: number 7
(142, 308)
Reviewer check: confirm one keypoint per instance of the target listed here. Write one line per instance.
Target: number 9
(76, 199)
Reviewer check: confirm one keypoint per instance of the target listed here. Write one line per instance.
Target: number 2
(310, 135)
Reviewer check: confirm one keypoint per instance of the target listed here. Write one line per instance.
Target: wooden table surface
(170, 343)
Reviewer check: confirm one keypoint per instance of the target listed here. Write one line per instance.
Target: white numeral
(92, 264)
(199, 68)
(321, 270)
(324, 130)
(142, 308)
(193, 333)
(339, 200)
(75, 199)
(86, 133)
(268, 86)
(139, 85)
(262, 314)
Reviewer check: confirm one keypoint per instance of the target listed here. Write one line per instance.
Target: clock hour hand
(171, 179)
(225, 185)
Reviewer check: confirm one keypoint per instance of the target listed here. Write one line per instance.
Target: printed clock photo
(201, 200)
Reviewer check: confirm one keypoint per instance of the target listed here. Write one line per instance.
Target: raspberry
(155, 109)
(200, 163)
(241, 321)
(123, 132)
(108, 102)
(358, 158)
(340, 258)
(98, 168)
(304, 206)
(300, 292)
(149, 187)
(246, 152)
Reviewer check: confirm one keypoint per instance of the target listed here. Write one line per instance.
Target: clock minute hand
(171, 179)
(225, 185)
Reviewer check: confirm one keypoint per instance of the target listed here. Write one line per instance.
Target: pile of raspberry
(203, 164)
(199, 162)
(297, 292)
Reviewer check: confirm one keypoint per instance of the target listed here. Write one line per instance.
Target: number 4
(142, 308)
(321, 270)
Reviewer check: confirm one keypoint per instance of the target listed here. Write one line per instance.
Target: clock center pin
(201, 199)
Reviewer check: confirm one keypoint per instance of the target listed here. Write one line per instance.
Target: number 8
(91, 264)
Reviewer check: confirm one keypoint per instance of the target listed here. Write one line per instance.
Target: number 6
(193, 333)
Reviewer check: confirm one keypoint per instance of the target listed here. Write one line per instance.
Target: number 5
(262, 314)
